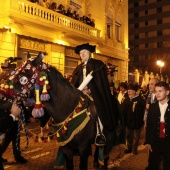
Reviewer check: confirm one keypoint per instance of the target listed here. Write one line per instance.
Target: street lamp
(160, 64)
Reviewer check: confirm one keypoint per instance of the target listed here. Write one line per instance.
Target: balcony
(27, 13)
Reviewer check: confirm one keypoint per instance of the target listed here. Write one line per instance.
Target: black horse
(64, 98)
(67, 103)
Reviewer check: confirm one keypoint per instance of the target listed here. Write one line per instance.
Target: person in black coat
(133, 111)
(99, 89)
(158, 129)
(8, 122)
(10, 132)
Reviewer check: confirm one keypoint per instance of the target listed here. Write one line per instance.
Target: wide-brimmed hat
(132, 87)
(88, 47)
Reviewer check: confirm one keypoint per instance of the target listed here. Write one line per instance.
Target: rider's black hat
(87, 46)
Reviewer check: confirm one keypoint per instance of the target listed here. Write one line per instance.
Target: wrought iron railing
(27, 8)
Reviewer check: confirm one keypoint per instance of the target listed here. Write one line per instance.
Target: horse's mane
(55, 77)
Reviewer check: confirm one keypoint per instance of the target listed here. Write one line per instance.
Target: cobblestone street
(41, 156)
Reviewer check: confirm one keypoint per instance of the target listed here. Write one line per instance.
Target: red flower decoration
(71, 116)
(55, 137)
(41, 83)
(82, 102)
(11, 92)
(63, 132)
(78, 110)
(45, 140)
(49, 123)
(44, 130)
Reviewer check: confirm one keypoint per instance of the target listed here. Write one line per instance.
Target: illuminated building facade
(29, 27)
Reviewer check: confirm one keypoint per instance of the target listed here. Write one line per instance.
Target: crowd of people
(68, 12)
(147, 107)
(142, 107)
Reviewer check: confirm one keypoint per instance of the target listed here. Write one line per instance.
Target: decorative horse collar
(37, 79)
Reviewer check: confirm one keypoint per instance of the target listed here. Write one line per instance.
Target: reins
(21, 119)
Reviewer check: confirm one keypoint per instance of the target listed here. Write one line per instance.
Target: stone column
(146, 77)
(136, 73)
(151, 75)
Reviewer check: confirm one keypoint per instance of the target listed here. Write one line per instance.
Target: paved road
(41, 156)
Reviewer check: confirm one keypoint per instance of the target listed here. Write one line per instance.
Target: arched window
(109, 20)
(118, 28)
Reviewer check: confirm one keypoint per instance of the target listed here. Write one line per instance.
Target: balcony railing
(27, 8)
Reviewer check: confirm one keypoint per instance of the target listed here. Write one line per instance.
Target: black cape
(106, 104)
(100, 90)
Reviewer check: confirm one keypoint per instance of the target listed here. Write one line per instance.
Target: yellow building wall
(41, 29)
(7, 45)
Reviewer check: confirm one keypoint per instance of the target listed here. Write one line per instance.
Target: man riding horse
(99, 89)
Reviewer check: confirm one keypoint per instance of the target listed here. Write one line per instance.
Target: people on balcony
(61, 9)
(35, 1)
(83, 19)
(69, 12)
(93, 23)
(53, 6)
(88, 19)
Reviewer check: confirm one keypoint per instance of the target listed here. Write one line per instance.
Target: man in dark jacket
(98, 87)
(7, 122)
(133, 111)
(158, 129)
(11, 132)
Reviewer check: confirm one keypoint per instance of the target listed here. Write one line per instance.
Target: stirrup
(100, 140)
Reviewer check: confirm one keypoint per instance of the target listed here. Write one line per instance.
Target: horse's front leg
(84, 162)
(69, 163)
(68, 155)
(84, 154)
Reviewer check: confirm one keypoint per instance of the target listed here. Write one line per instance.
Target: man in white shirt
(158, 129)
(123, 92)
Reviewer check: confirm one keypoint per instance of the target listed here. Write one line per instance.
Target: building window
(70, 64)
(159, 44)
(159, 21)
(159, 33)
(136, 4)
(109, 23)
(136, 46)
(136, 15)
(146, 34)
(118, 31)
(146, 57)
(109, 27)
(136, 25)
(159, 10)
(136, 36)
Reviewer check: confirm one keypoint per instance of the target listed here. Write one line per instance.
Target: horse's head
(30, 76)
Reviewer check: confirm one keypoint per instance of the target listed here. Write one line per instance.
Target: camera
(9, 63)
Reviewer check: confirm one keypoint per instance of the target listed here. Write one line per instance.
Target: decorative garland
(63, 126)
